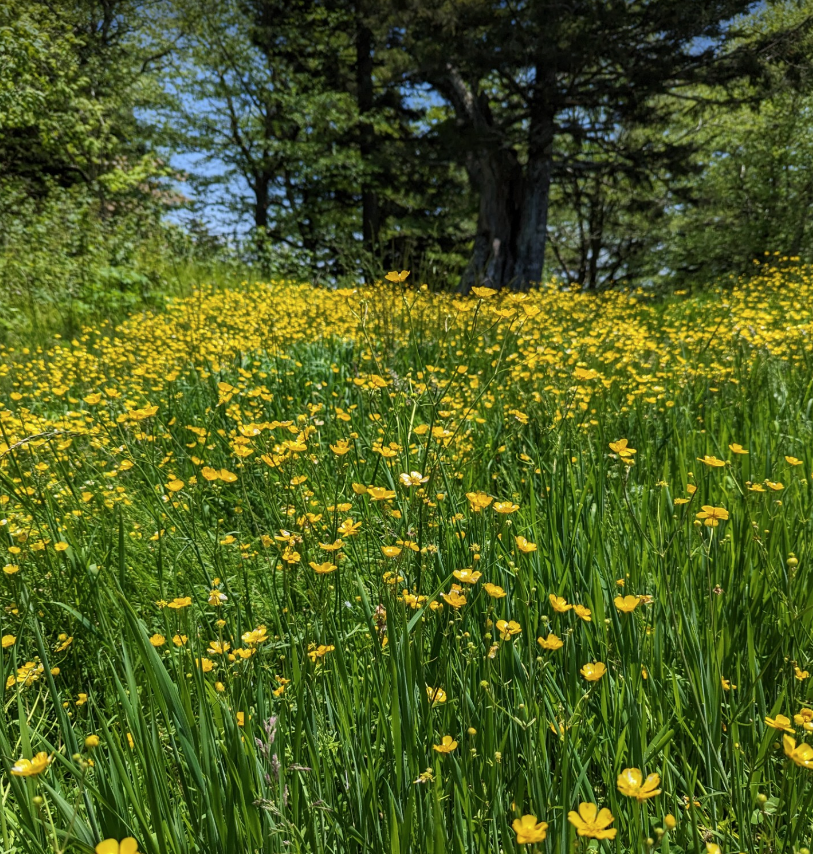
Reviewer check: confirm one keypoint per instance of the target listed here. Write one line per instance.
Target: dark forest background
(149, 144)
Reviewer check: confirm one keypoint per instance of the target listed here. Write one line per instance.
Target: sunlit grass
(376, 570)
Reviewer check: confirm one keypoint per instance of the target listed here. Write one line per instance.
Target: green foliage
(287, 749)
(742, 192)
(461, 141)
(756, 194)
(62, 266)
(83, 193)
(315, 139)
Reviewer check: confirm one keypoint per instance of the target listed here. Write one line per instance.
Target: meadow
(289, 569)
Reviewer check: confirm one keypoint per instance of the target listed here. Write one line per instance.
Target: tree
(304, 108)
(751, 192)
(604, 217)
(83, 185)
(75, 77)
(754, 193)
(256, 97)
(528, 75)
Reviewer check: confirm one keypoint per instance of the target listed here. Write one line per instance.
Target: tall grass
(285, 411)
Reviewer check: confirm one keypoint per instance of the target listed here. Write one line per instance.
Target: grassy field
(377, 570)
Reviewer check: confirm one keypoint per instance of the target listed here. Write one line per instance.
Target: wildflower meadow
(375, 569)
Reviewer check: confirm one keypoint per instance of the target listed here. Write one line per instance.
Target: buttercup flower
(524, 546)
(323, 568)
(559, 603)
(632, 784)
(414, 478)
(591, 822)
(626, 604)
(218, 648)
(712, 462)
(621, 447)
(447, 745)
(31, 767)
(396, 277)
(436, 695)
(380, 493)
(508, 628)
(256, 636)
(478, 501)
(216, 598)
(454, 598)
(780, 722)
(341, 447)
(804, 719)
(320, 651)
(593, 672)
(494, 590)
(801, 754)
(551, 642)
(529, 830)
(712, 516)
(128, 845)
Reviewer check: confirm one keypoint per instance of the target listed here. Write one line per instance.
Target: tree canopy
(473, 141)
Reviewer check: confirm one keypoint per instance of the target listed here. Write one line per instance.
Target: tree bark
(370, 217)
(532, 238)
(509, 245)
(497, 175)
(495, 172)
(261, 187)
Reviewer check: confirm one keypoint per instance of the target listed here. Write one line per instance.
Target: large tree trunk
(509, 246)
(364, 88)
(532, 238)
(541, 130)
(261, 200)
(261, 186)
(496, 174)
